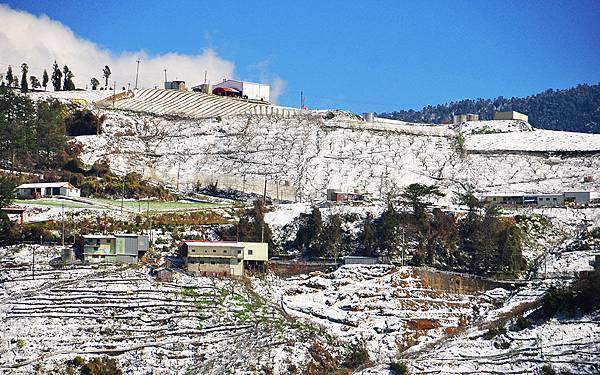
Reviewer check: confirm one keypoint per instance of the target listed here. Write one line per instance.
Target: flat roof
(98, 236)
(44, 185)
(214, 243)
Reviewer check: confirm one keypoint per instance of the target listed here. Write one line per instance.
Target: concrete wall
(511, 115)
(456, 283)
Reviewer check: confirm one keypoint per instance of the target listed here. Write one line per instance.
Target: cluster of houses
(214, 258)
(509, 115)
(229, 87)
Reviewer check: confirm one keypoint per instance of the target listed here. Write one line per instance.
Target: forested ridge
(575, 109)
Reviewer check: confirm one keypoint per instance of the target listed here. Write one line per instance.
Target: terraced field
(194, 104)
(203, 325)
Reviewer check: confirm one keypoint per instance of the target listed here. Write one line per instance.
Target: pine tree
(9, 76)
(418, 197)
(331, 237)
(368, 237)
(106, 73)
(45, 79)
(307, 237)
(35, 83)
(94, 83)
(56, 77)
(66, 79)
(24, 70)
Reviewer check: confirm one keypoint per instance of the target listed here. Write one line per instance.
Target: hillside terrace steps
(193, 104)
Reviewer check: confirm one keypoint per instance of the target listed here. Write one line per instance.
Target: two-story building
(222, 257)
(114, 248)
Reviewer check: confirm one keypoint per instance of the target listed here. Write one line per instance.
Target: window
(214, 250)
(547, 199)
(249, 251)
(554, 199)
(239, 251)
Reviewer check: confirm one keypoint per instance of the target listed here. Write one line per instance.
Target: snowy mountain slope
(302, 156)
(388, 308)
(192, 325)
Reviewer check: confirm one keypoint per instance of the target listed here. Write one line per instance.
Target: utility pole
(122, 193)
(301, 100)
(63, 223)
(205, 72)
(165, 75)
(114, 92)
(128, 86)
(265, 192)
(178, 169)
(137, 71)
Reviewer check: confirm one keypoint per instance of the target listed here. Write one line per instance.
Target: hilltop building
(241, 89)
(115, 248)
(222, 257)
(511, 115)
(457, 119)
(175, 85)
(47, 189)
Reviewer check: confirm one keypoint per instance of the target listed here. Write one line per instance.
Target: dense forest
(575, 109)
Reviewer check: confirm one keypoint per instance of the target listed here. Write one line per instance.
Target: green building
(115, 248)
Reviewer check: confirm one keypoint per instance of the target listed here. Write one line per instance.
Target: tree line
(61, 79)
(480, 241)
(573, 109)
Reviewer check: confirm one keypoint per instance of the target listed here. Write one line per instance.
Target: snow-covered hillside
(304, 155)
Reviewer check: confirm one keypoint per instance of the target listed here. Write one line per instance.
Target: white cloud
(38, 41)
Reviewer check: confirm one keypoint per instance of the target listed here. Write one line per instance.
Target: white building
(579, 198)
(47, 189)
(247, 90)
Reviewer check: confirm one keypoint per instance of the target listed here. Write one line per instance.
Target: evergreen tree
(106, 73)
(418, 197)
(389, 234)
(24, 70)
(16, 82)
(68, 79)
(94, 83)
(56, 77)
(309, 232)
(45, 79)
(368, 237)
(35, 83)
(7, 191)
(9, 76)
(331, 237)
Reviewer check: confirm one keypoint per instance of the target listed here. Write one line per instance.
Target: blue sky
(360, 56)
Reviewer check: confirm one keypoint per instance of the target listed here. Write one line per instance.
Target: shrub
(21, 344)
(399, 368)
(581, 296)
(101, 366)
(493, 332)
(548, 370)
(356, 355)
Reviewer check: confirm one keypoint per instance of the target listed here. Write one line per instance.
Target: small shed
(352, 259)
(164, 275)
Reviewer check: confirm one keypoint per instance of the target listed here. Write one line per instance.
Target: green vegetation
(581, 297)
(573, 109)
(21, 344)
(480, 242)
(399, 368)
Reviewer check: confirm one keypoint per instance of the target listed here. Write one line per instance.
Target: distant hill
(575, 109)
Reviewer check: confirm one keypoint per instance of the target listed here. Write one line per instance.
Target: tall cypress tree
(9, 76)
(24, 70)
(45, 79)
(56, 77)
